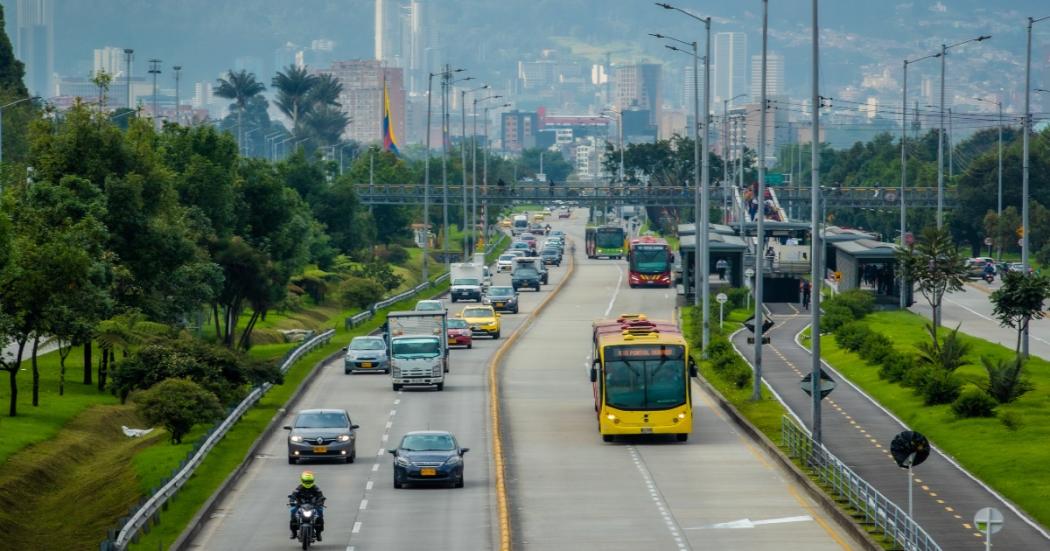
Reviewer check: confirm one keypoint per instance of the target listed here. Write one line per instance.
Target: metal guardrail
(150, 510)
(873, 508)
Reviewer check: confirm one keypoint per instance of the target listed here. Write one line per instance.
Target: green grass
(37, 424)
(1011, 461)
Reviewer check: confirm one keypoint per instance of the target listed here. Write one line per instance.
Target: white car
(505, 263)
(429, 306)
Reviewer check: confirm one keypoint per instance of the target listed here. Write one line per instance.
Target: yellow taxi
(505, 223)
(538, 217)
(483, 319)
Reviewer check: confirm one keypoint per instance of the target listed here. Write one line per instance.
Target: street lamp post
(904, 165)
(128, 53)
(474, 161)
(760, 233)
(817, 252)
(725, 153)
(426, 182)
(1026, 128)
(178, 75)
(619, 127)
(154, 69)
(463, 167)
(446, 132)
(940, 143)
(999, 203)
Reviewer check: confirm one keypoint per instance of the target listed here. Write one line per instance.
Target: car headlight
(402, 462)
(296, 438)
(344, 437)
(453, 460)
(395, 372)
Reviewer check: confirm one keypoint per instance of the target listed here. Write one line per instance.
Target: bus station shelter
(871, 265)
(728, 247)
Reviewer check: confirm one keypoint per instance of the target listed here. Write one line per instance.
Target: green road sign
(773, 179)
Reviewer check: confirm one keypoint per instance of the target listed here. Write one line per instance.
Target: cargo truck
(467, 281)
(418, 348)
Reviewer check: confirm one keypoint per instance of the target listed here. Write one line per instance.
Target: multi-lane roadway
(566, 488)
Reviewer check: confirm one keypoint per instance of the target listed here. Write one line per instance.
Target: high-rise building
(687, 86)
(111, 60)
(362, 98)
(387, 35)
(35, 43)
(730, 68)
(518, 130)
(638, 88)
(774, 76)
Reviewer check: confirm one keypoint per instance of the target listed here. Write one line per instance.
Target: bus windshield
(649, 260)
(645, 377)
(609, 238)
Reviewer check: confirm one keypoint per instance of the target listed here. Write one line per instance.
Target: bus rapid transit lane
(569, 490)
(363, 510)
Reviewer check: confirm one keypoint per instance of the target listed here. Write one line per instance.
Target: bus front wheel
(607, 438)
(682, 437)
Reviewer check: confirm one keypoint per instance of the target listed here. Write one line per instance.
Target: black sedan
(322, 434)
(426, 457)
(551, 256)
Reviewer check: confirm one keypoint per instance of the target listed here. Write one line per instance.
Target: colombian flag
(389, 139)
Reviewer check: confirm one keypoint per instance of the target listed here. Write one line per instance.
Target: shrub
(360, 292)
(381, 273)
(835, 315)
(396, 254)
(949, 354)
(939, 387)
(859, 302)
(724, 363)
(974, 402)
(875, 347)
(852, 335)
(1006, 381)
(737, 298)
(1011, 420)
(177, 405)
(739, 374)
(719, 348)
(895, 366)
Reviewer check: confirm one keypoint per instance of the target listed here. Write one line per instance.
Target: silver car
(322, 434)
(366, 354)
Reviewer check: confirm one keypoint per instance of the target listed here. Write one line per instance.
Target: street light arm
(931, 56)
(978, 39)
(666, 6)
(666, 37)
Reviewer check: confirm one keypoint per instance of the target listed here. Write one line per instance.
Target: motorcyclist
(989, 271)
(307, 492)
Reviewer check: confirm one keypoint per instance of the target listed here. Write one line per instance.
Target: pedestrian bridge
(605, 193)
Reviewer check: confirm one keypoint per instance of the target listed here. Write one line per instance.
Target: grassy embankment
(1012, 459)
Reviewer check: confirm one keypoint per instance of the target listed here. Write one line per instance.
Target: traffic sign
(774, 178)
(1020, 242)
(838, 276)
(989, 519)
(987, 241)
(827, 384)
(767, 324)
(1020, 231)
(749, 273)
(721, 298)
(909, 449)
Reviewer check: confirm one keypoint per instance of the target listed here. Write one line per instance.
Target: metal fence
(872, 508)
(148, 511)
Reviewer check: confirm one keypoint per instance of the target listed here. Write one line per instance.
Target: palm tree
(326, 124)
(240, 87)
(326, 91)
(294, 86)
(123, 331)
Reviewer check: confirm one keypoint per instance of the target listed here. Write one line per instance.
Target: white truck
(520, 224)
(467, 281)
(479, 259)
(418, 352)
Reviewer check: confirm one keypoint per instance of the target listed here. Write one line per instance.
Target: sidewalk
(859, 432)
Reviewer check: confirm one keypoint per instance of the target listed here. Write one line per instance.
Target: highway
(566, 488)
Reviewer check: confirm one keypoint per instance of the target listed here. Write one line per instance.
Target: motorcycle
(307, 515)
(989, 278)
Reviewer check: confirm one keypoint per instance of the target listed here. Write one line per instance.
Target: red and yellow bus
(640, 376)
(649, 262)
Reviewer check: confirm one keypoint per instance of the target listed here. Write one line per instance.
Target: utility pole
(1026, 128)
(426, 183)
(760, 239)
(816, 253)
(178, 75)
(154, 69)
(128, 53)
(446, 82)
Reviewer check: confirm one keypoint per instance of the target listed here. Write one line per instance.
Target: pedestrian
(806, 289)
(721, 266)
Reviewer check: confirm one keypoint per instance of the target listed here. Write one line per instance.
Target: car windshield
(521, 245)
(549, 252)
(367, 344)
(321, 420)
(477, 313)
(428, 442)
(457, 324)
(525, 271)
(508, 257)
(645, 377)
(416, 348)
(501, 292)
(466, 281)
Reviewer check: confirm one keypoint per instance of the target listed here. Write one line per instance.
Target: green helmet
(307, 479)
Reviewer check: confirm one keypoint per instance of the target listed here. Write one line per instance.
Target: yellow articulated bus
(641, 376)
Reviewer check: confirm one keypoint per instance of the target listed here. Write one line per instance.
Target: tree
(326, 90)
(293, 87)
(102, 80)
(240, 87)
(325, 124)
(1019, 301)
(935, 264)
(123, 332)
(177, 405)
(554, 165)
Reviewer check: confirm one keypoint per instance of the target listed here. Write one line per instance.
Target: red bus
(649, 262)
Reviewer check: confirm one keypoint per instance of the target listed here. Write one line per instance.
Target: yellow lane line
(494, 413)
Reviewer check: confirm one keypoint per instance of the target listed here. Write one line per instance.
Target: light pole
(268, 143)
(760, 233)
(702, 263)
(474, 161)
(619, 127)
(816, 253)
(463, 167)
(2, 107)
(725, 152)
(940, 143)
(485, 168)
(128, 53)
(904, 163)
(446, 132)
(154, 69)
(999, 203)
(1026, 129)
(178, 75)
(426, 182)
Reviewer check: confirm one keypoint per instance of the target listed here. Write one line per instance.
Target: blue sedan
(425, 457)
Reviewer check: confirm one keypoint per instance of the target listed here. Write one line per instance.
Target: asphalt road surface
(569, 490)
